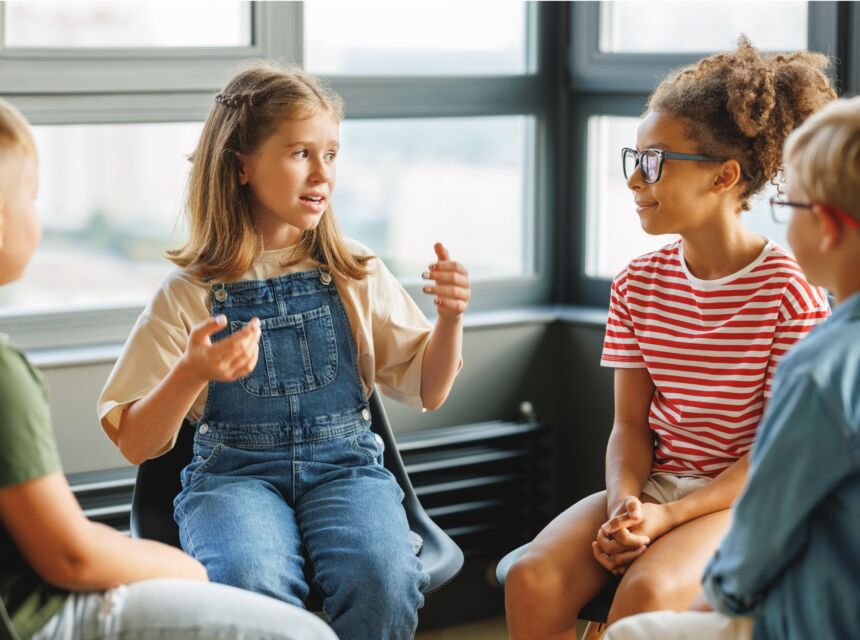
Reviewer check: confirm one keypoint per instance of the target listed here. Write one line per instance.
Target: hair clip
(228, 100)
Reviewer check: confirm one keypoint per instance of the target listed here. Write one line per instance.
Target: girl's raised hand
(228, 359)
(451, 284)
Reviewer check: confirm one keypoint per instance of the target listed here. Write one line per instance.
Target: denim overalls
(285, 467)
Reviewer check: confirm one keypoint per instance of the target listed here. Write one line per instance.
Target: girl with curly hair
(694, 333)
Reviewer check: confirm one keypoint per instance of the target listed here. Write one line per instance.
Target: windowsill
(87, 355)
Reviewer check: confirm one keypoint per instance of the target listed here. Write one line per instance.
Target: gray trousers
(170, 609)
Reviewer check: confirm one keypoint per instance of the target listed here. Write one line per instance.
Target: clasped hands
(632, 527)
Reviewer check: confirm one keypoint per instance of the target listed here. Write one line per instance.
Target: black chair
(158, 483)
(596, 610)
(7, 631)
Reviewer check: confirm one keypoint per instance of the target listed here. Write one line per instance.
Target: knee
(534, 578)
(392, 583)
(642, 592)
(393, 578)
(253, 573)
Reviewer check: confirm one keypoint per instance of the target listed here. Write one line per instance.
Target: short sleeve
(156, 342)
(620, 346)
(28, 449)
(400, 335)
(803, 307)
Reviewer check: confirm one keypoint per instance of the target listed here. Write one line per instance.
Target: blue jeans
(342, 511)
(286, 468)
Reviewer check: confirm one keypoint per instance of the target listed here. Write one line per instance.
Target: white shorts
(686, 625)
(667, 487)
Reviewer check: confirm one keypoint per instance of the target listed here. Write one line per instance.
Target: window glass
(109, 199)
(405, 184)
(409, 38)
(127, 24)
(108, 214)
(613, 234)
(683, 26)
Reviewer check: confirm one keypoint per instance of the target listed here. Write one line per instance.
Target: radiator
(485, 484)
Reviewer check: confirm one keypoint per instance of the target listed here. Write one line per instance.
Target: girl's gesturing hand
(228, 359)
(452, 288)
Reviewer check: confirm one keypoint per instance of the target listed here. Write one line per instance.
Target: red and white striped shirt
(710, 346)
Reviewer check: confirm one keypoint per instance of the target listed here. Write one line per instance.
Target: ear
(728, 176)
(829, 228)
(245, 166)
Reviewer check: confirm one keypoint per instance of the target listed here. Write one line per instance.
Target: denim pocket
(204, 459)
(370, 445)
(298, 353)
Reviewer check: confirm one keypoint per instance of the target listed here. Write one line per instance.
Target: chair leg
(594, 630)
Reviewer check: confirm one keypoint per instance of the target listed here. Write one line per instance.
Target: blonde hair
(15, 137)
(824, 156)
(224, 242)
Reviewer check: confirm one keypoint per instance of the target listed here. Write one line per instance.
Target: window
(107, 214)
(425, 38)
(447, 118)
(660, 27)
(127, 24)
(403, 184)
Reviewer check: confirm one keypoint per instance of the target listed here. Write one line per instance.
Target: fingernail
(221, 318)
(425, 275)
(428, 289)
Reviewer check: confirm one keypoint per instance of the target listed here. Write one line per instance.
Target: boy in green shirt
(62, 576)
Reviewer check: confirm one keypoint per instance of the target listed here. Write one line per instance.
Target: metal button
(325, 277)
(204, 429)
(378, 438)
(365, 414)
(221, 295)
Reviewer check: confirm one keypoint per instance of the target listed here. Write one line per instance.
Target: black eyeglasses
(650, 162)
(780, 211)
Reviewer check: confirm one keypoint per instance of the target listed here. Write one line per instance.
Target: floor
(485, 630)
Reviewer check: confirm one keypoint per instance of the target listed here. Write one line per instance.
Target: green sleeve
(27, 446)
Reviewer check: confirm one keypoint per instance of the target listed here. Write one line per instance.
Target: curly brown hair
(743, 105)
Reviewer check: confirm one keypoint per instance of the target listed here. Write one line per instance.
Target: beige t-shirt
(389, 329)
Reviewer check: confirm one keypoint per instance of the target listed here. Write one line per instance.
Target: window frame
(176, 85)
(619, 84)
(70, 70)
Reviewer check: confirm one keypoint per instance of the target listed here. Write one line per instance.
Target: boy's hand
(227, 360)
(452, 288)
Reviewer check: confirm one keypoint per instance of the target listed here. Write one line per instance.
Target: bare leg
(557, 575)
(668, 574)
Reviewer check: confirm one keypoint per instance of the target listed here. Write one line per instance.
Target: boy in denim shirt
(790, 565)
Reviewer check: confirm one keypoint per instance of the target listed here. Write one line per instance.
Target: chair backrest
(158, 483)
(7, 631)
